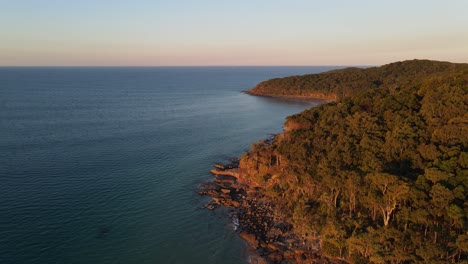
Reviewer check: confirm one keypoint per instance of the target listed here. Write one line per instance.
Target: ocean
(101, 164)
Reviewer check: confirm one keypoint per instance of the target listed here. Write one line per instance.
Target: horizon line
(174, 66)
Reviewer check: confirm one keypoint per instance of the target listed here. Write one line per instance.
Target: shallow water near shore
(101, 165)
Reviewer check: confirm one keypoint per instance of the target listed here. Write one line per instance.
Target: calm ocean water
(100, 165)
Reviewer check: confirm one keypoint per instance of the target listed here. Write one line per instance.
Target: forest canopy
(337, 84)
(380, 175)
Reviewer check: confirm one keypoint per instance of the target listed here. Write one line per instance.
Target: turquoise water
(101, 165)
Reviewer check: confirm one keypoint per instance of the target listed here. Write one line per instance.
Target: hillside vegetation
(336, 84)
(380, 175)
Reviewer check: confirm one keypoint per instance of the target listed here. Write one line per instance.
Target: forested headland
(336, 84)
(378, 175)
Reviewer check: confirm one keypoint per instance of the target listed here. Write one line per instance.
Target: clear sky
(223, 32)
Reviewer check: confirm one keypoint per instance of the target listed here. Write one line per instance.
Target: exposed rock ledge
(234, 172)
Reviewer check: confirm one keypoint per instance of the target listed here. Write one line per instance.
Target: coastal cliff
(378, 176)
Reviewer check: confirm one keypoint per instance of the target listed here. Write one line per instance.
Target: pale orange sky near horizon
(153, 33)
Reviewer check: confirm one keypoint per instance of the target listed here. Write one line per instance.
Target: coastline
(328, 180)
(269, 238)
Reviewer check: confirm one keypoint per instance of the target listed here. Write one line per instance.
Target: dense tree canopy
(380, 175)
(337, 84)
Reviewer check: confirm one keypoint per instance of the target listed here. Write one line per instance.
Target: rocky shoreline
(270, 237)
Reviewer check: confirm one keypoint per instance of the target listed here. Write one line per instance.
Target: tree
(388, 190)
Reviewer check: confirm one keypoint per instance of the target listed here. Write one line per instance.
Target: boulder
(226, 191)
(230, 172)
(250, 239)
(219, 166)
(225, 179)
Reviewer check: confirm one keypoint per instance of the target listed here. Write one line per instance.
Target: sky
(222, 32)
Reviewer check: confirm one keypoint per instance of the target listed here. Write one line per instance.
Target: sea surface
(101, 165)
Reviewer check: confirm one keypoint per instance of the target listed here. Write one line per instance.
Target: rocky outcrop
(269, 237)
(234, 172)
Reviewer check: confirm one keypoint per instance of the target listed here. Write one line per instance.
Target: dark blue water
(100, 165)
